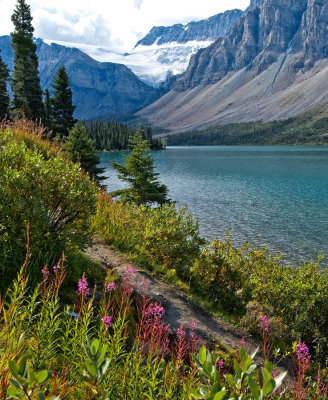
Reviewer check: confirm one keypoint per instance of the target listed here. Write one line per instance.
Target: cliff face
(255, 41)
(272, 64)
(205, 30)
(98, 88)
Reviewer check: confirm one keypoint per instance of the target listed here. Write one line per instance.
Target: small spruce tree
(27, 93)
(4, 96)
(47, 109)
(80, 148)
(62, 106)
(138, 172)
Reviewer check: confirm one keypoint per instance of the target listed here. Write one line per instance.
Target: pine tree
(62, 106)
(80, 149)
(27, 93)
(4, 96)
(138, 172)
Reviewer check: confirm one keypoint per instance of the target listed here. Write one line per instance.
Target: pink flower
(264, 324)
(83, 289)
(131, 271)
(45, 272)
(181, 333)
(192, 324)
(242, 342)
(56, 268)
(144, 283)
(155, 310)
(111, 286)
(107, 321)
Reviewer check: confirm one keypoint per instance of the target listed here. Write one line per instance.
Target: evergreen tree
(4, 96)
(47, 109)
(138, 172)
(62, 106)
(80, 149)
(27, 93)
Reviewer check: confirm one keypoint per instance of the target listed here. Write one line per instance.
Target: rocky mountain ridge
(98, 88)
(272, 64)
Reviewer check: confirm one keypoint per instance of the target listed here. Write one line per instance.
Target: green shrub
(157, 237)
(48, 194)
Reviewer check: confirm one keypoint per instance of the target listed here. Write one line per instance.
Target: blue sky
(117, 24)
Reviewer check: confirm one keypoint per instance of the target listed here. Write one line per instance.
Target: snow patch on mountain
(152, 64)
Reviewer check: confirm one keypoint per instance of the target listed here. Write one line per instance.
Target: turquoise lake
(272, 196)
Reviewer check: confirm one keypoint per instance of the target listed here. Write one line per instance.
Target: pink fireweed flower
(83, 289)
(220, 365)
(192, 324)
(107, 321)
(154, 310)
(131, 271)
(302, 353)
(56, 268)
(181, 333)
(265, 323)
(45, 272)
(242, 342)
(110, 286)
(144, 283)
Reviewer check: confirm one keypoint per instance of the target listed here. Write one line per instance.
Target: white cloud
(111, 23)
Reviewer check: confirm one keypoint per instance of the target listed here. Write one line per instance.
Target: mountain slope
(272, 64)
(98, 88)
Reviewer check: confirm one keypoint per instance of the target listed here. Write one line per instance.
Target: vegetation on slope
(308, 128)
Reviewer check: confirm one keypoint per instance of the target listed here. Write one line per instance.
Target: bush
(46, 193)
(157, 237)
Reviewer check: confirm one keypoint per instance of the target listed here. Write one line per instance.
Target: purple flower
(264, 324)
(181, 333)
(242, 342)
(155, 310)
(131, 271)
(56, 268)
(192, 324)
(302, 352)
(144, 283)
(111, 286)
(45, 272)
(220, 365)
(107, 321)
(83, 289)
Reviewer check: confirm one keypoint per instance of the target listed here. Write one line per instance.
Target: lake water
(271, 196)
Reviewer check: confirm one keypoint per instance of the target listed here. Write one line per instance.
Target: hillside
(271, 65)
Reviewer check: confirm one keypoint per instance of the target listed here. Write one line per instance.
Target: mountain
(209, 29)
(165, 51)
(98, 88)
(271, 65)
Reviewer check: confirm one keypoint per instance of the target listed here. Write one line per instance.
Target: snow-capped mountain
(164, 51)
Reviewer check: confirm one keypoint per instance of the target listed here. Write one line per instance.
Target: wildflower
(155, 310)
(242, 342)
(45, 272)
(192, 324)
(264, 324)
(131, 271)
(56, 268)
(181, 333)
(107, 321)
(110, 286)
(144, 283)
(220, 365)
(302, 353)
(83, 289)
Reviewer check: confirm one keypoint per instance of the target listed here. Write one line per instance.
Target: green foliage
(307, 128)
(248, 382)
(80, 148)
(47, 193)
(112, 135)
(138, 172)
(4, 96)
(47, 109)
(27, 94)
(162, 237)
(62, 108)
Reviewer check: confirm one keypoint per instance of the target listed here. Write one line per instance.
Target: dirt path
(178, 309)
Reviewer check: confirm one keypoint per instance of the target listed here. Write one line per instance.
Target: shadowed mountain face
(98, 88)
(272, 64)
